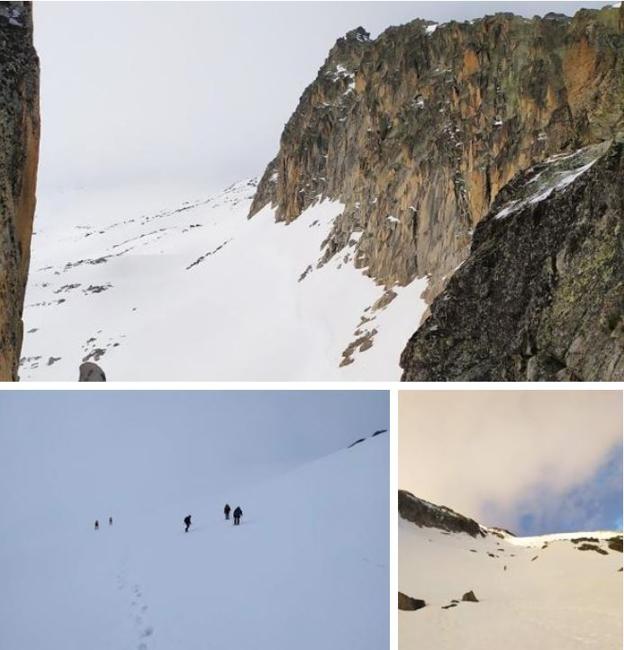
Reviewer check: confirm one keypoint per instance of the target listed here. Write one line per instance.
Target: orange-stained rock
(429, 127)
(19, 154)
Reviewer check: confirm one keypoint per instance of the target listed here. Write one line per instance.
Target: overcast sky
(67, 454)
(196, 92)
(530, 461)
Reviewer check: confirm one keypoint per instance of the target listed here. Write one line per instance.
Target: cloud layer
(529, 460)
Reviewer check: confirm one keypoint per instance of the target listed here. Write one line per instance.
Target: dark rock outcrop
(19, 154)
(417, 131)
(615, 543)
(425, 514)
(591, 547)
(470, 597)
(541, 296)
(408, 604)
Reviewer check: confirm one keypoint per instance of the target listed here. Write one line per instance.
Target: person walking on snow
(110, 521)
(238, 513)
(97, 524)
(226, 510)
(187, 523)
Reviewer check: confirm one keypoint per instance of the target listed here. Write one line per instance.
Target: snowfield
(538, 593)
(307, 568)
(199, 292)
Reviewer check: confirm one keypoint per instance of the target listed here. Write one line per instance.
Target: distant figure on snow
(110, 521)
(238, 513)
(187, 523)
(90, 371)
(226, 510)
(97, 524)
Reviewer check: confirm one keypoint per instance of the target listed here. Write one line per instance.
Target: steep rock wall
(541, 296)
(19, 153)
(418, 130)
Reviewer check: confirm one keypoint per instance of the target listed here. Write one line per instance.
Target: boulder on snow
(615, 543)
(408, 604)
(90, 371)
(470, 597)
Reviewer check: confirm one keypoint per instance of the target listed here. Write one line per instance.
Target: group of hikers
(237, 514)
(97, 523)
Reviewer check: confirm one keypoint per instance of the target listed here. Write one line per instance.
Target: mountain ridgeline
(422, 132)
(428, 515)
(19, 153)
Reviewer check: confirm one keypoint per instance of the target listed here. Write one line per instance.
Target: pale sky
(530, 461)
(193, 92)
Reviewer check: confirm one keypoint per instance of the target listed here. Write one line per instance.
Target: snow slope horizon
(537, 592)
(308, 565)
(200, 292)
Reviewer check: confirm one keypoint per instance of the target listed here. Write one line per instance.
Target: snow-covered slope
(307, 568)
(555, 591)
(199, 292)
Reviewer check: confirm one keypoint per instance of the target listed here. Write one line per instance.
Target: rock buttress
(418, 130)
(19, 154)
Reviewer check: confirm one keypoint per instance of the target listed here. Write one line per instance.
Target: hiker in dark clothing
(187, 523)
(226, 510)
(110, 521)
(238, 513)
(97, 524)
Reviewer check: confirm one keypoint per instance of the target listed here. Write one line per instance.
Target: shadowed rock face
(409, 604)
(417, 131)
(425, 514)
(19, 153)
(541, 296)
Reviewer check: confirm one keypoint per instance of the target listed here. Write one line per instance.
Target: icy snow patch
(561, 171)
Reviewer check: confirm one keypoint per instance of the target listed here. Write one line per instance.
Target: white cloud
(484, 451)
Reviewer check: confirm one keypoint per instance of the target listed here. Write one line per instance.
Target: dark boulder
(408, 604)
(90, 371)
(469, 597)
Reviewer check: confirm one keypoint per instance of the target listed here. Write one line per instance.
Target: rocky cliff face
(19, 152)
(425, 514)
(417, 131)
(541, 296)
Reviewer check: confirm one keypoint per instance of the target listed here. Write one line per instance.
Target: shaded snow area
(307, 568)
(199, 292)
(555, 591)
(553, 175)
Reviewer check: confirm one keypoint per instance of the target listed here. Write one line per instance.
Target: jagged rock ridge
(541, 296)
(19, 153)
(425, 514)
(417, 131)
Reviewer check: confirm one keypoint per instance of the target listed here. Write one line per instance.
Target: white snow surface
(199, 292)
(530, 597)
(307, 568)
